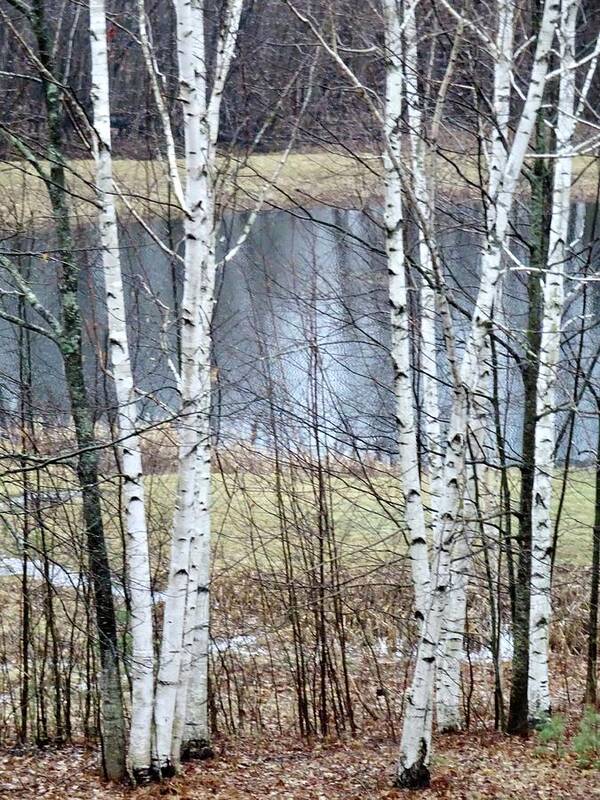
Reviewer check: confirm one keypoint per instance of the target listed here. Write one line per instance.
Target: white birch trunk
(422, 194)
(184, 649)
(451, 651)
(503, 70)
(405, 414)
(542, 533)
(415, 748)
(224, 56)
(192, 728)
(448, 706)
(448, 673)
(198, 241)
(136, 550)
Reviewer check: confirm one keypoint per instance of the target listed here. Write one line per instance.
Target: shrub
(551, 735)
(586, 742)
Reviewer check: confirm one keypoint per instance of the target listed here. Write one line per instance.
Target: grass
(307, 178)
(576, 526)
(367, 517)
(250, 522)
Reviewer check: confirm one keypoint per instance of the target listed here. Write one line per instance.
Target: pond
(301, 327)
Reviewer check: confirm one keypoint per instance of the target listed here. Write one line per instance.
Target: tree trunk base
(415, 777)
(537, 721)
(450, 727)
(144, 776)
(168, 770)
(196, 750)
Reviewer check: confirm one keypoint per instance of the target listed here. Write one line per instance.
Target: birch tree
(184, 646)
(553, 299)
(65, 331)
(448, 700)
(423, 199)
(448, 683)
(448, 673)
(415, 747)
(414, 513)
(136, 541)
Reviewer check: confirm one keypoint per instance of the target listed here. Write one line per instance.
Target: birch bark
(448, 708)
(415, 748)
(503, 72)
(190, 50)
(191, 736)
(553, 299)
(138, 566)
(192, 732)
(448, 683)
(184, 648)
(393, 219)
(423, 199)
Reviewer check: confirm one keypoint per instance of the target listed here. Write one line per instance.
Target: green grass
(250, 524)
(575, 523)
(367, 519)
(575, 531)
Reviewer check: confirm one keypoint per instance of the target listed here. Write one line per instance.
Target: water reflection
(301, 329)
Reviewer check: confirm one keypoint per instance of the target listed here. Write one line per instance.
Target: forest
(299, 399)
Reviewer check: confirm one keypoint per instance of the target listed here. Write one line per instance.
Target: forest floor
(306, 179)
(469, 766)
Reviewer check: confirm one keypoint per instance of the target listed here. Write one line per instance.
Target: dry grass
(306, 179)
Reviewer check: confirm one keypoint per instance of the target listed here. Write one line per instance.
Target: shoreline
(307, 179)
